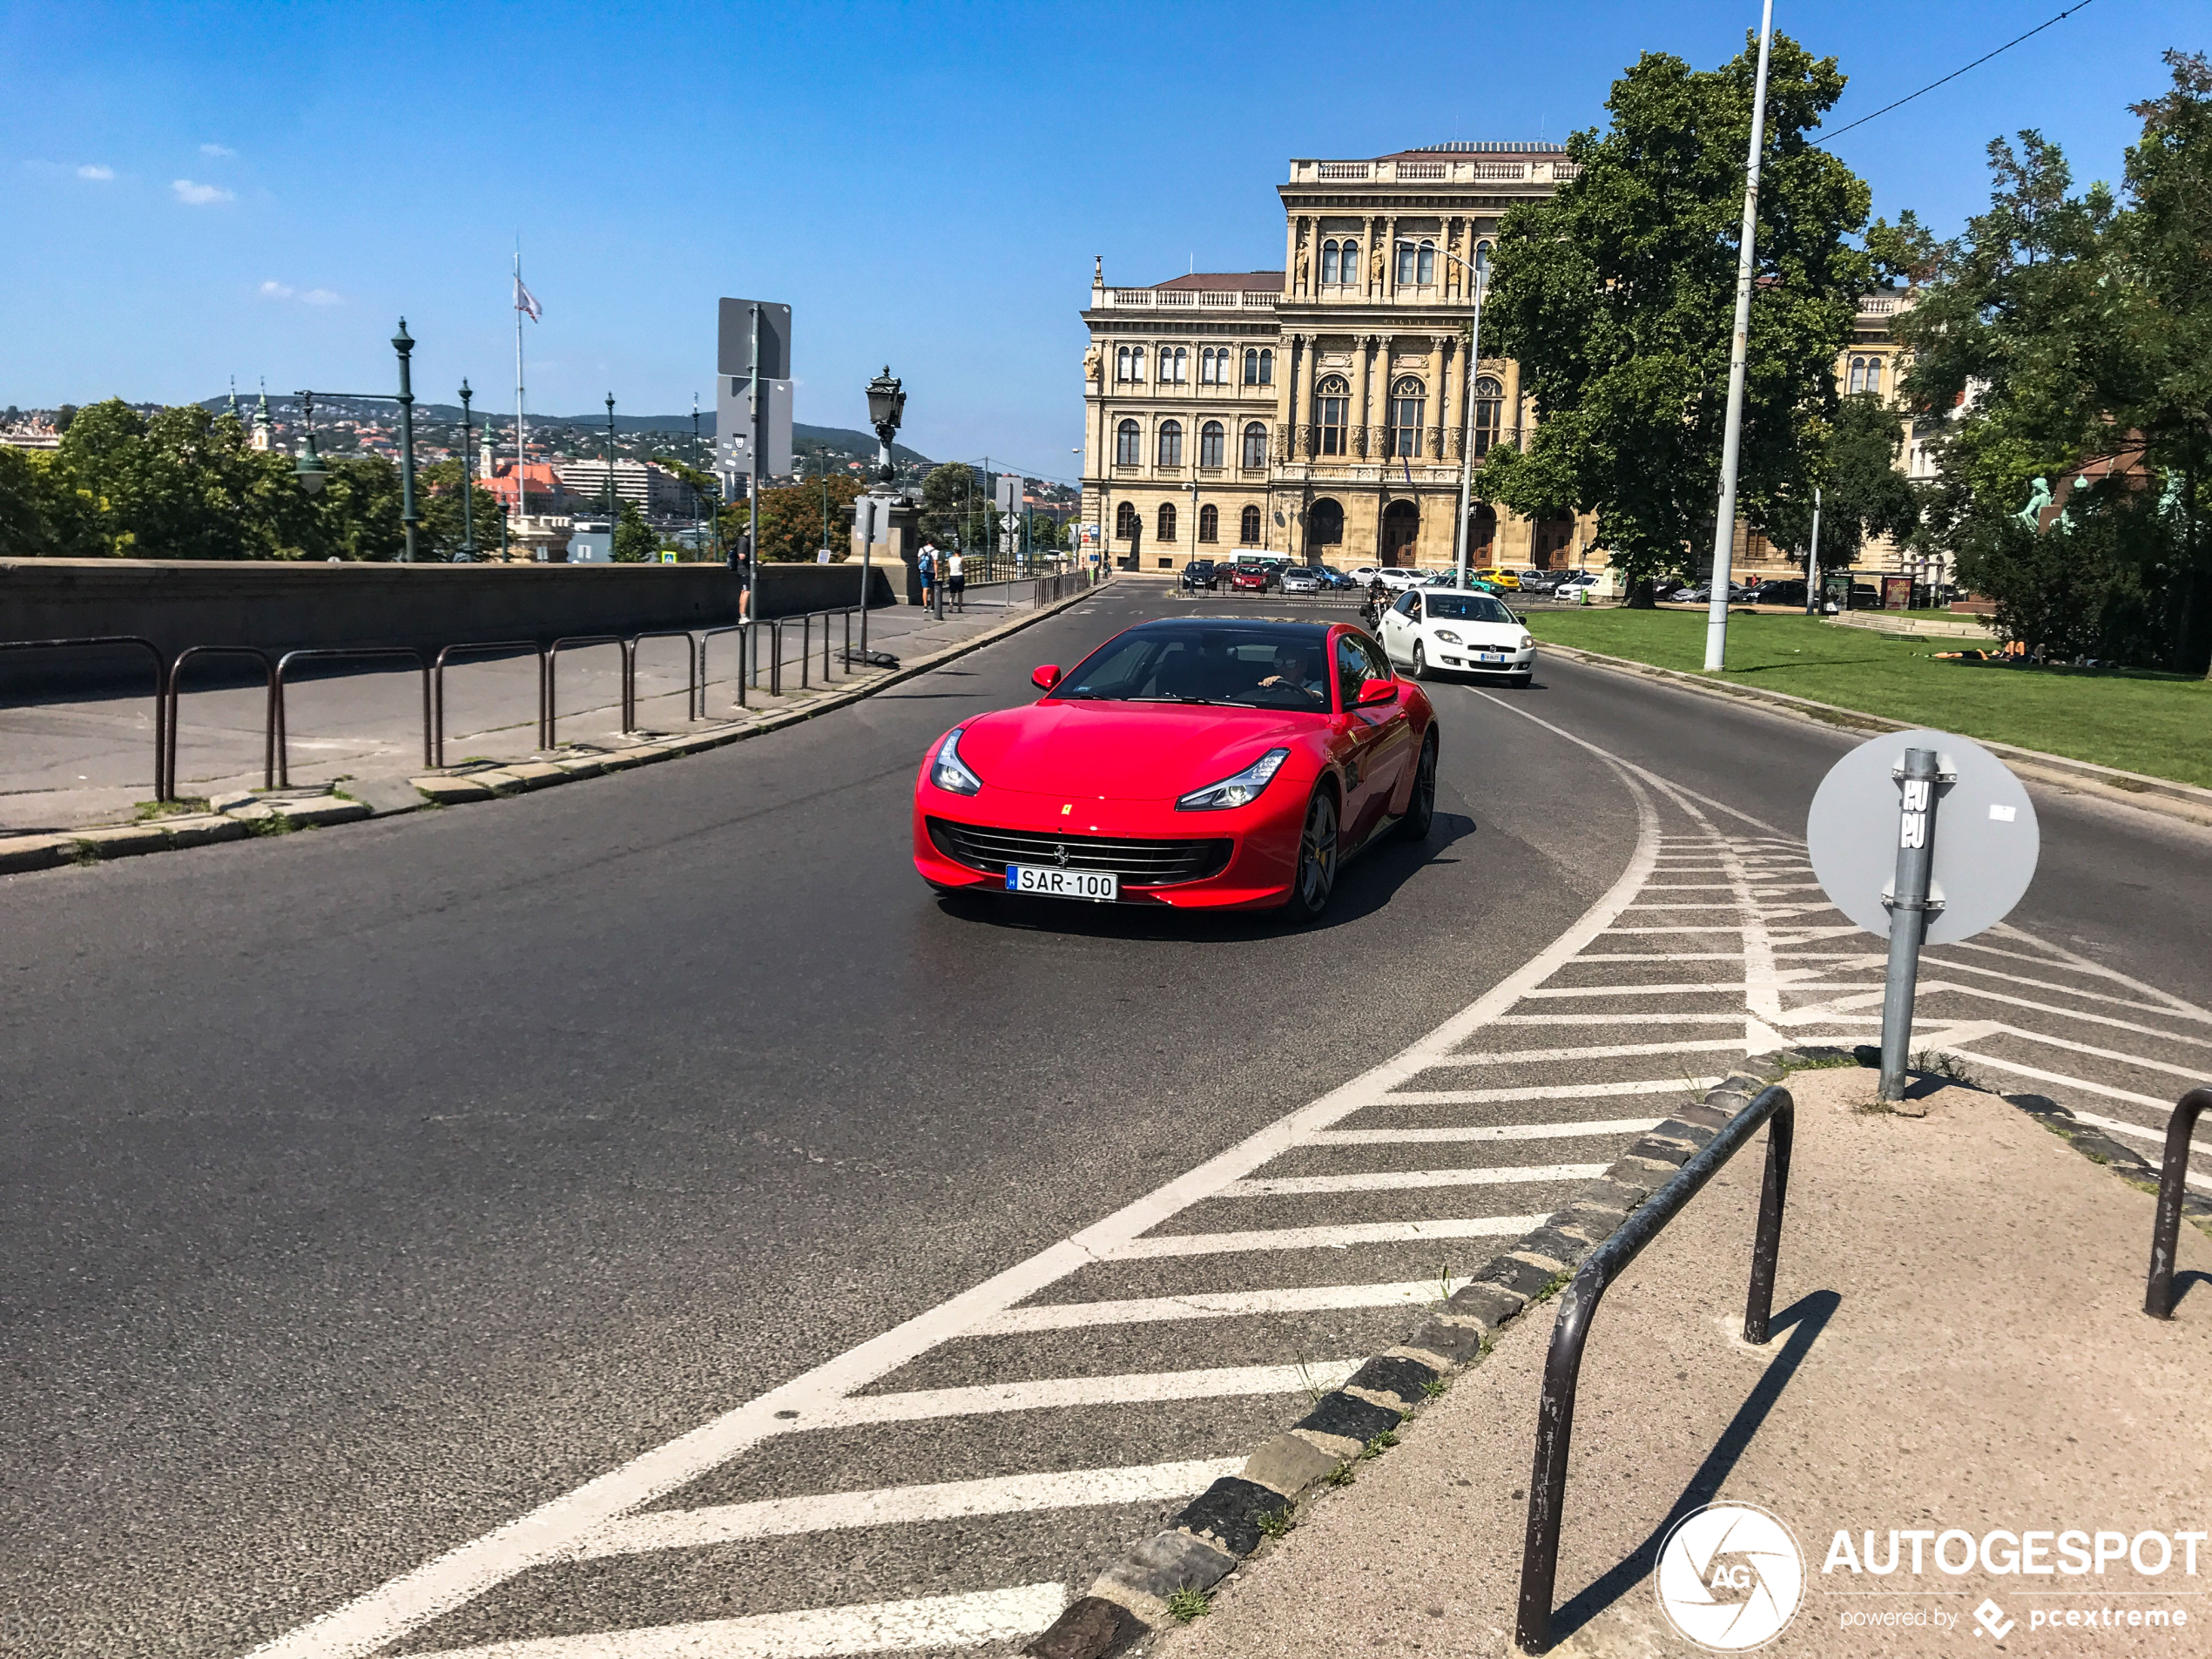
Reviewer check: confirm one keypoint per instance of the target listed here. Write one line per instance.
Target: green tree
(1863, 494)
(635, 542)
(1616, 298)
(791, 519)
(437, 503)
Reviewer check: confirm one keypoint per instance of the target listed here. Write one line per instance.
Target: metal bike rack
(283, 753)
(553, 679)
(2173, 1185)
(694, 697)
(1578, 1304)
(775, 656)
(161, 780)
(438, 692)
(706, 634)
(268, 718)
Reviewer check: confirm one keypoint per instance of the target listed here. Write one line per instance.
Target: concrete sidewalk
(1959, 1343)
(89, 762)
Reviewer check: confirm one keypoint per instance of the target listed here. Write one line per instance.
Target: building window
(1171, 443)
(1255, 445)
(1213, 367)
(1267, 369)
(1328, 262)
(1248, 527)
(1857, 375)
(1874, 375)
(1210, 524)
(1407, 401)
(1166, 520)
(1252, 366)
(1175, 364)
(1331, 407)
(1120, 363)
(1209, 447)
(1427, 271)
(1125, 520)
(1489, 403)
(1129, 445)
(1324, 524)
(1406, 254)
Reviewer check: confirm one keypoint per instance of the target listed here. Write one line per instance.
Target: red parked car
(1205, 762)
(1251, 578)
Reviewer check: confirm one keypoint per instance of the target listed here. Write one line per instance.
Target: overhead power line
(1956, 73)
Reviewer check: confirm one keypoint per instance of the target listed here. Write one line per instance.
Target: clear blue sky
(193, 192)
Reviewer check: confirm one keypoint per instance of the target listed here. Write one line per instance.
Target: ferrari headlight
(1447, 635)
(1239, 790)
(949, 771)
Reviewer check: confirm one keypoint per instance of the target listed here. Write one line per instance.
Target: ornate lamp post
(887, 407)
(467, 485)
(313, 475)
(610, 471)
(309, 469)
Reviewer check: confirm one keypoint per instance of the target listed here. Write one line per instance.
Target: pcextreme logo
(1730, 1577)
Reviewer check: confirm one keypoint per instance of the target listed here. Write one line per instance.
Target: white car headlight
(1526, 641)
(1447, 635)
(1241, 789)
(949, 771)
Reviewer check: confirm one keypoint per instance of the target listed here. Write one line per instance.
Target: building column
(1294, 356)
(1440, 348)
(1367, 347)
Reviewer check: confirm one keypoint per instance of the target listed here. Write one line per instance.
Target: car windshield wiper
(1173, 696)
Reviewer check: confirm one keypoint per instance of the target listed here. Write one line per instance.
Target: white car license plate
(1102, 885)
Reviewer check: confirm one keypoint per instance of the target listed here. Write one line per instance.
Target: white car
(1396, 577)
(1458, 632)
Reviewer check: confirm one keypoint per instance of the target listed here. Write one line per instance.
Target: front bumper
(1243, 858)
(1459, 660)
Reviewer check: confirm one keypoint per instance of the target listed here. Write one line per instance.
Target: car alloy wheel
(1420, 810)
(1316, 877)
(1420, 661)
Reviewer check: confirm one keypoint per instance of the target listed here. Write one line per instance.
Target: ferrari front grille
(1138, 863)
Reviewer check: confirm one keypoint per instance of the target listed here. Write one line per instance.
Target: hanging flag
(526, 302)
(1408, 465)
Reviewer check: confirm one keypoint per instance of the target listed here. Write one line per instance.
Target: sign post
(1871, 833)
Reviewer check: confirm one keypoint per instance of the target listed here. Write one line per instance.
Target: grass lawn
(2134, 719)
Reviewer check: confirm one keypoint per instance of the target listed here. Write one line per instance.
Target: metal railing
(694, 698)
(160, 673)
(438, 692)
(176, 711)
(742, 630)
(574, 642)
(2173, 1186)
(1578, 1304)
(330, 653)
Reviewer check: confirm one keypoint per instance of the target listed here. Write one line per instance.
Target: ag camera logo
(1730, 1577)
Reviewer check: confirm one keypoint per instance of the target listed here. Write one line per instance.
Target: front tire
(1315, 877)
(1420, 810)
(1420, 661)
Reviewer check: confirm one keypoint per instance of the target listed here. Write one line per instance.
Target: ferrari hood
(1124, 750)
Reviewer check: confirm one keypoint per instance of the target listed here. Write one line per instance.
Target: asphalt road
(364, 1189)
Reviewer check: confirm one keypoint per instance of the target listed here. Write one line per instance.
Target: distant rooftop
(1243, 281)
(1480, 146)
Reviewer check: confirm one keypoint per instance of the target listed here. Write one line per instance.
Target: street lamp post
(611, 474)
(309, 469)
(467, 485)
(699, 529)
(404, 344)
(1467, 378)
(887, 409)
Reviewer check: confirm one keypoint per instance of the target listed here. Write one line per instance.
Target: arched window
(1209, 447)
(1120, 363)
(1166, 520)
(1125, 520)
(1324, 524)
(1427, 274)
(1171, 443)
(1210, 524)
(1349, 271)
(1129, 445)
(1136, 362)
(1215, 369)
(1874, 375)
(1332, 408)
(1248, 527)
(1180, 371)
(1328, 261)
(1251, 367)
(1255, 445)
(1489, 404)
(1407, 401)
(1857, 375)
(1267, 369)
(1406, 255)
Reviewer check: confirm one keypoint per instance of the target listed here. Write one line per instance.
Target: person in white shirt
(955, 582)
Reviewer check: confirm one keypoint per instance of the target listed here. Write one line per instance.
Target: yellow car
(1500, 578)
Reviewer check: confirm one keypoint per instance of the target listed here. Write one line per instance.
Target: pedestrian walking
(956, 581)
(926, 565)
(741, 567)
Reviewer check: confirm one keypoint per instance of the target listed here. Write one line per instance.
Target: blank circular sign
(1985, 837)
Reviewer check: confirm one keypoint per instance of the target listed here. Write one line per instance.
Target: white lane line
(1679, 989)
(1464, 1132)
(1217, 1305)
(1160, 1245)
(1929, 988)
(1714, 929)
(1062, 1393)
(2144, 1132)
(811, 1633)
(2063, 1080)
(2056, 955)
(1599, 1051)
(359, 1627)
(731, 1523)
(1399, 1180)
(1546, 1091)
(1669, 1017)
(1700, 904)
(1663, 955)
(2069, 990)
(1690, 886)
(1996, 1028)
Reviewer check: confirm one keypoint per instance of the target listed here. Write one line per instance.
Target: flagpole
(522, 478)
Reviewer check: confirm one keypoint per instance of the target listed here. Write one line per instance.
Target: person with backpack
(926, 565)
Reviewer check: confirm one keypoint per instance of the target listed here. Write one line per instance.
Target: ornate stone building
(1318, 410)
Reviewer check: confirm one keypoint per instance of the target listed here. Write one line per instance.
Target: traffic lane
(451, 1160)
(2129, 889)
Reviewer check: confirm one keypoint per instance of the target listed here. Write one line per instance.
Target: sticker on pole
(1980, 820)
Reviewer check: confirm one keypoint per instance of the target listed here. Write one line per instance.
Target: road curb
(462, 785)
(2160, 795)
(2098, 1147)
(1218, 1530)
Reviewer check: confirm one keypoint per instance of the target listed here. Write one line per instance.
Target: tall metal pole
(698, 527)
(1813, 558)
(1467, 395)
(405, 346)
(522, 475)
(1908, 905)
(610, 472)
(1739, 352)
(759, 414)
(467, 485)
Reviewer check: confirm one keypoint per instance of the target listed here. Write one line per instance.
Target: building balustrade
(1193, 299)
(1441, 170)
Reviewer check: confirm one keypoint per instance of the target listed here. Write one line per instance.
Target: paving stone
(230, 800)
(1349, 1417)
(581, 766)
(1526, 1279)
(34, 851)
(536, 774)
(384, 796)
(1553, 1246)
(1652, 1150)
(1091, 1628)
(323, 809)
(1494, 1304)
(1707, 1114)
(123, 840)
(451, 792)
(1288, 1465)
(1400, 1379)
(203, 829)
(1170, 1561)
(499, 780)
(1458, 1340)
(1228, 1512)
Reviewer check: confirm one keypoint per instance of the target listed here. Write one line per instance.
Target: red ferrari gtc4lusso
(1211, 762)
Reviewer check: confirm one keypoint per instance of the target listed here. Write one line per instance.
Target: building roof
(1480, 147)
(1253, 281)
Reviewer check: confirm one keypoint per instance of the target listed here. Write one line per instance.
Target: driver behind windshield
(1293, 672)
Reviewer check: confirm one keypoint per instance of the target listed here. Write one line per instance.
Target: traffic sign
(1984, 832)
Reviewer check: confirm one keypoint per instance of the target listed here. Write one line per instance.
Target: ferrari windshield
(1465, 607)
(1258, 664)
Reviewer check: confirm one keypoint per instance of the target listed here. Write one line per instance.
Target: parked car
(1777, 593)
(1574, 584)
(1301, 578)
(1396, 577)
(1251, 578)
(1332, 577)
(1541, 581)
(1201, 573)
(1499, 577)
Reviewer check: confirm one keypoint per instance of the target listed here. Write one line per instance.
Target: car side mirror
(1376, 691)
(1044, 678)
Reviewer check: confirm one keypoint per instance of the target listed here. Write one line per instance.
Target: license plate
(1102, 885)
